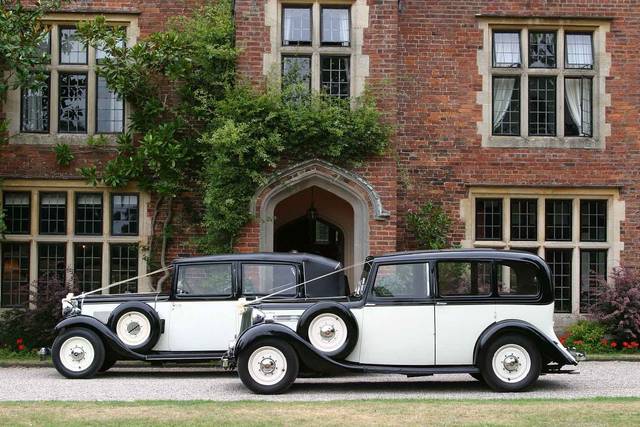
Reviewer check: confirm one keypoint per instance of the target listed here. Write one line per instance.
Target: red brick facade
(423, 70)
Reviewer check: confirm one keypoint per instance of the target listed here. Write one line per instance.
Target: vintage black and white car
(487, 313)
(195, 321)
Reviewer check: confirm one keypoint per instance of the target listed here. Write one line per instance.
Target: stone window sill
(543, 142)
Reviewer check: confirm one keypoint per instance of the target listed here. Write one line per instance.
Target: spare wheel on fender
(137, 325)
(330, 328)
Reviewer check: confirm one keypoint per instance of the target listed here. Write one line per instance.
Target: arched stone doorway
(342, 200)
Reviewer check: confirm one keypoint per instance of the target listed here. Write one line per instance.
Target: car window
(517, 278)
(462, 278)
(205, 279)
(402, 281)
(264, 279)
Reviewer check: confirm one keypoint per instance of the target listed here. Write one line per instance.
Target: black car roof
(263, 256)
(457, 253)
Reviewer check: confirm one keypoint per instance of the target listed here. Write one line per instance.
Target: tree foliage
(430, 225)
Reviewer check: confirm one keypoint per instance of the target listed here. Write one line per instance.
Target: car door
(397, 326)
(464, 308)
(204, 311)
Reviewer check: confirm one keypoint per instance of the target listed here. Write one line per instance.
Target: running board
(412, 370)
(178, 356)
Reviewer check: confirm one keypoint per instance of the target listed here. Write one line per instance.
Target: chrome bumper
(580, 357)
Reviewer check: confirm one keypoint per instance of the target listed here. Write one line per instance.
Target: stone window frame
(71, 189)
(359, 63)
(12, 106)
(599, 27)
(613, 244)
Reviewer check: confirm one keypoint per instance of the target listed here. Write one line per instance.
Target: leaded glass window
(579, 50)
(52, 263)
(72, 103)
(14, 291)
(335, 26)
(124, 265)
(558, 218)
(335, 76)
(124, 214)
(524, 219)
(488, 219)
(17, 211)
(506, 49)
(593, 220)
(593, 275)
(53, 213)
(296, 70)
(542, 49)
(87, 263)
(577, 106)
(110, 109)
(89, 213)
(542, 106)
(559, 261)
(506, 105)
(34, 108)
(72, 49)
(296, 25)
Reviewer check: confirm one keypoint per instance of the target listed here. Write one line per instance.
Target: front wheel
(511, 363)
(78, 353)
(268, 367)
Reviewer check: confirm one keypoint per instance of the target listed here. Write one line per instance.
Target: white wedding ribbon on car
(84, 294)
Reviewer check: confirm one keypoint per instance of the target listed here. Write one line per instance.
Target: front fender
(550, 349)
(309, 356)
(110, 339)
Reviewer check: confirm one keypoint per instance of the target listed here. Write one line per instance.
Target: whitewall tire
(78, 353)
(327, 332)
(137, 325)
(330, 328)
(268, 366)
(511, 363)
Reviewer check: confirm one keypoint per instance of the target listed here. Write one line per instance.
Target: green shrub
(430, 225)
(587, 336)
(64, 156)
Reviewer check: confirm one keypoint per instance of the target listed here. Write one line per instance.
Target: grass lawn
(602, 411)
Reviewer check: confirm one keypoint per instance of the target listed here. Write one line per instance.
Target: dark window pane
(524, 219)
(593, 275)
(72, 49)
(517, 278)
(542, 50)
(73, 103)
(205, 279)
(89, 213)
(263, 279)
(461, 278)
(34, 110)
(335, 76)
(558, 218)
(110, 109)
(542, 106)
(559, 261)
(53, 213)
(15, 275)
(124, 214)
(488, 219)
(506, 106)
(593, 220)
(88, 266)
(402, 281)
(296, 25)
(124, 265)
(579, 50)
(335, 26)
(17, 211)
(296, 70)
(506, 49)
(52, 262)
(577, 106)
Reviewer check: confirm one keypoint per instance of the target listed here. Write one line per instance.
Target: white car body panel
(203, 325)
(458, 327)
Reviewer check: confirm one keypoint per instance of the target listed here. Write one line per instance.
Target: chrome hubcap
(327, 331)
(133, 328)
(77, 354)
(511, 363)
(267, 366)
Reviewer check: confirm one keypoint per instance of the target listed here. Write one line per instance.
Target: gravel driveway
(128, 383)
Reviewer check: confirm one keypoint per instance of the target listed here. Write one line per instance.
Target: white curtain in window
(52, 199)
(579, 50)
(506, 48)
(577, 94)
(34, 111)
(288, 25)
(502, 92)
(343, 35)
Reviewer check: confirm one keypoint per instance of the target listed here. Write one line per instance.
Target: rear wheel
(268, 366)
(511, 363)
(78, 353)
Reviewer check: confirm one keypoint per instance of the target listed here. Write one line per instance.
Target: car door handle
(441, 303)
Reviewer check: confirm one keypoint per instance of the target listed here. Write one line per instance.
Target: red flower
(634, 344)
(21, 347)
(614, 344)
(578, 342)
(19, 341)
(625, 344)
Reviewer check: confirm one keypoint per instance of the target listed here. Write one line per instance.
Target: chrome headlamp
(70, 306)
